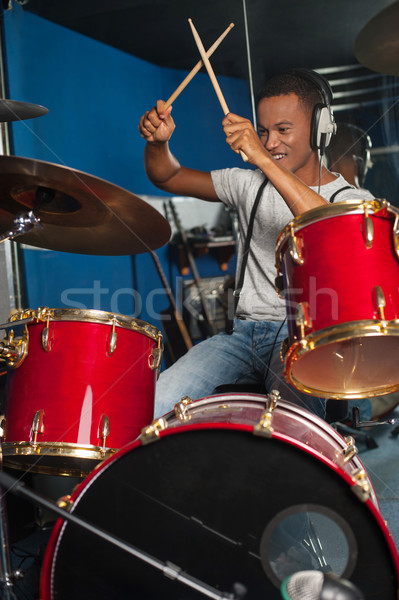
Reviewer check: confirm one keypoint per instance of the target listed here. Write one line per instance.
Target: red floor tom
(79, 386)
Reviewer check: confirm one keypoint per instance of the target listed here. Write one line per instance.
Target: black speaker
(323, 125)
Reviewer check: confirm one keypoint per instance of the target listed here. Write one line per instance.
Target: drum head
(226, 507)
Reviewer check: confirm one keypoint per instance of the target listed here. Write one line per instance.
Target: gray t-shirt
(237, 188)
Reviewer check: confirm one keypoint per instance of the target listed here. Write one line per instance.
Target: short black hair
(290, 82)
(349, 140)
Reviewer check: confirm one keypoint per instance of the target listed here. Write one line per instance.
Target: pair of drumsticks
(205, 61)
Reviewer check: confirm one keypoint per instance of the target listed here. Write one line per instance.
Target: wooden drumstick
(211, 74)
(197, 67)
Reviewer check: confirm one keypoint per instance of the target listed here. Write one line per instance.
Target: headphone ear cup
(322, 127)
(314, 127)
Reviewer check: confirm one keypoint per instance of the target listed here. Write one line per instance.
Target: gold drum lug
(65, 502)
(285, 346)
(46, 340)
(37, 425)
(14, 351)
(151, 432)
(362, 486)
(295, 247)
(113, 338)
(154, 360)
(181, 409)
(3, 428)
(379, 301)
(350, 449)
(367, 228)
(395, 235)
(104, 431)
(279, 286)
(302, 318)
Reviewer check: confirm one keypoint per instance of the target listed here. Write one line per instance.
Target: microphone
(315, 585)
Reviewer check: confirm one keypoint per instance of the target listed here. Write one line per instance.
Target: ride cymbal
(78, 212)
(377, 44)
(12, 110)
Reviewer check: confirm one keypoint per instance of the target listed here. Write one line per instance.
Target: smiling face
(284, 130)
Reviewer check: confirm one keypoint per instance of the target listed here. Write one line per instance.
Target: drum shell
(340, 266)
(188, 486)
(77, 383)
(339, 272)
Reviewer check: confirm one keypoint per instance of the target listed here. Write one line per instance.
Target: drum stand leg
(7, 575)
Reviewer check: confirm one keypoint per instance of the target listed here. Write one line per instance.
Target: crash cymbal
(78, 212)
(377, 45)
(12, 110)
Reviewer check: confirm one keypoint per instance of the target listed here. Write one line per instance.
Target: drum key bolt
(362, 485)
(151, 432)
(181, 408)
(350, 449)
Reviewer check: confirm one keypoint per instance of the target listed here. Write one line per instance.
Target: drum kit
(224, 497)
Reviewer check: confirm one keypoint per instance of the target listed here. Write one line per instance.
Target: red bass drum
(229, 489)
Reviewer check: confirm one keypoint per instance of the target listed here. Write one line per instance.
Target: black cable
(272, 350)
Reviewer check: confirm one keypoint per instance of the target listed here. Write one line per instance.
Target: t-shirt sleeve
(230, 185)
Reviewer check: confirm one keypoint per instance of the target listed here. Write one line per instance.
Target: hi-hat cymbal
(13, 110)
(78, 212)
(377, 45)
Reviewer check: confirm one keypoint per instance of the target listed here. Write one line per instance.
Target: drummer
(297, 181)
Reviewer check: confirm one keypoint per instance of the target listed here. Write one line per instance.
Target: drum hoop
(43, 314)
(327, 212)
(339, 333)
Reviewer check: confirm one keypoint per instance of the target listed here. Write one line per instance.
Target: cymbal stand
(168, 569)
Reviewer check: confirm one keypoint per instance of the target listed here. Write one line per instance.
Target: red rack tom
(340, 271)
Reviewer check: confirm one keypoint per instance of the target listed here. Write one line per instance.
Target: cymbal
(377, 44)
(13, 110)
(78, 212)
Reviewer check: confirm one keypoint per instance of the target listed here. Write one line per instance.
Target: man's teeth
(278, 156)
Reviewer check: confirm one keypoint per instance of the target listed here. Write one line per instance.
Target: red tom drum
(340, 270)
(230, 489)
(80, 385)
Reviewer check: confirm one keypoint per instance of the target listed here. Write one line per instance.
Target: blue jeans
(251, 354)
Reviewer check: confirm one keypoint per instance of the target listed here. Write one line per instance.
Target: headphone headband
(318, 80)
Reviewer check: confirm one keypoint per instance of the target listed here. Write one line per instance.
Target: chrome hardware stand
(7, 576)
(168, 569)
(357, 424)
(22, 224)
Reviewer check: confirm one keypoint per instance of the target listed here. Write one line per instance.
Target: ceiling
(282, 34)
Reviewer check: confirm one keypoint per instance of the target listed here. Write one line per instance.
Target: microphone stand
(168, 569)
